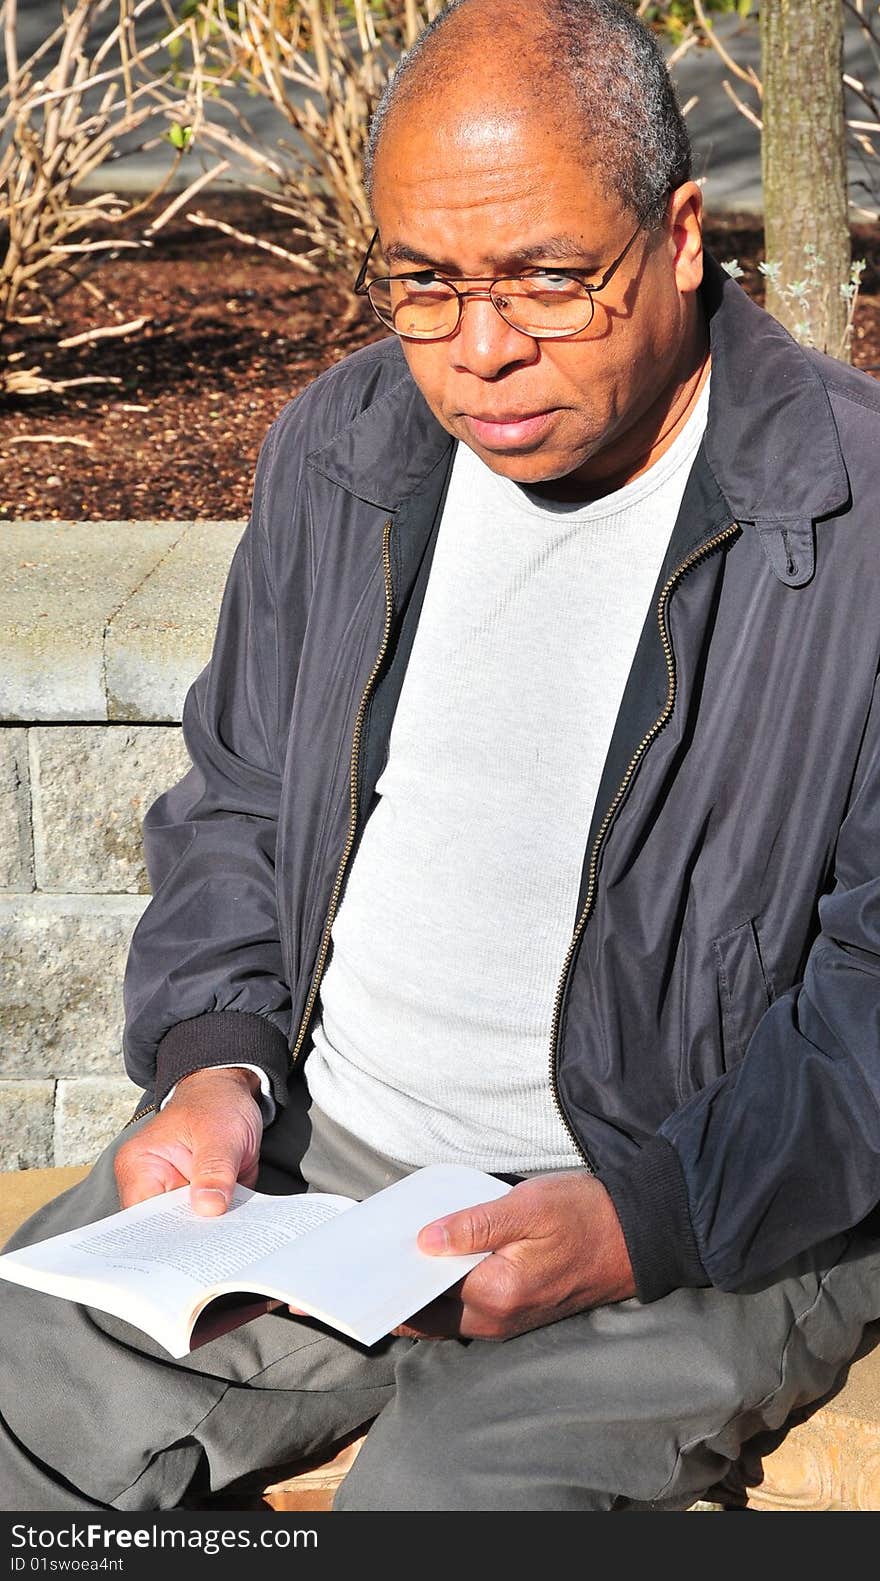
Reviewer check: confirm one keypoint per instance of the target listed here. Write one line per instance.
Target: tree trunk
(803, 158)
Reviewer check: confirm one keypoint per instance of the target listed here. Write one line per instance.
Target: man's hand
(208, 1135)
(557, 1248)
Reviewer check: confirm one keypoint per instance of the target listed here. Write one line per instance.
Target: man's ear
(684, 222)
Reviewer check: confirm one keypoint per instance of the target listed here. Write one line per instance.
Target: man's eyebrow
(556, 248)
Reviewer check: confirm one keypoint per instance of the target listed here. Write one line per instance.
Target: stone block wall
(103, 626)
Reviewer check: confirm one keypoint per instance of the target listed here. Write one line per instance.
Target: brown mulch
(232, 335)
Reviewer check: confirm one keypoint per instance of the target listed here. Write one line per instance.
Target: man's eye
(425, 280)
(554, 280)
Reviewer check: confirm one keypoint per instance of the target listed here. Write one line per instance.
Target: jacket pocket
(744, 988)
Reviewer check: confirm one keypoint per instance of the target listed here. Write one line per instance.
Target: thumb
(212, 1181)
(477, 1229)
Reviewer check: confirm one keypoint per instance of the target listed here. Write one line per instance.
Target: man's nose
(485, 344)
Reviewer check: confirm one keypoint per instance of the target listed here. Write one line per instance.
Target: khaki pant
(628, 1405)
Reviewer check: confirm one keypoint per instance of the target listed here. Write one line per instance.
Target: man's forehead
(471, 128)
(491, 177)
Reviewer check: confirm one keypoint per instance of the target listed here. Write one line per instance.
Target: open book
(184, 1279)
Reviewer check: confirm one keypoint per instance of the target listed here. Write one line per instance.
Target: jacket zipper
(660, 721)
(353, 797)
(139, 1115)
(680, 571)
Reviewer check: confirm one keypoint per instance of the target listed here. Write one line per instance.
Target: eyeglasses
(542, 303)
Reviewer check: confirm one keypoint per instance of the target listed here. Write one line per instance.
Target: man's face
(490, 192)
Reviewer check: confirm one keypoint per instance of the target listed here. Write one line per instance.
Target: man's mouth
(508, 431)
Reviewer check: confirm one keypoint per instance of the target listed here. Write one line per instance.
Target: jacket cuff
(651, 1199)
(222, 1037)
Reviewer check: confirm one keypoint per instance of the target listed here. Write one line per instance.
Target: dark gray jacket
(716, 1038)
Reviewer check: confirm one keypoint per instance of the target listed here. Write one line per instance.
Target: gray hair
(598, 53)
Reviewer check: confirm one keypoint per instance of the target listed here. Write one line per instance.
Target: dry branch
(209, 223)
(51, 439)
(744, 109)
(745, 73)
(30, 381)
(105, 333)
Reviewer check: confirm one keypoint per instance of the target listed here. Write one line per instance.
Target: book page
(203, 1250)
(114, 1263)
(362, 1272)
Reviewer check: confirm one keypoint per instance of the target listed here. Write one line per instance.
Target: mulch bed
(232, 335)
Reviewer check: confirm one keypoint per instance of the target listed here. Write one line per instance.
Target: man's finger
(143, 1176)
(213, 1181)
(482, 1228)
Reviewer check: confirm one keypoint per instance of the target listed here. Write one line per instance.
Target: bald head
(586, 70)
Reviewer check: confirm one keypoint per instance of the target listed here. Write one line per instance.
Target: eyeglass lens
(545, 304)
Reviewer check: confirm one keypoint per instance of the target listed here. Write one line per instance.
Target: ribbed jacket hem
(222, 1037)
(651, 1199)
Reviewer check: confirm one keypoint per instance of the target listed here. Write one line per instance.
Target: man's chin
(531, 468)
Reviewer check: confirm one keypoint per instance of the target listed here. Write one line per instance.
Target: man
(531, 824)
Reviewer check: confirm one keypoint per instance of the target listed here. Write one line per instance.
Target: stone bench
(103, 625)
(829, 1460)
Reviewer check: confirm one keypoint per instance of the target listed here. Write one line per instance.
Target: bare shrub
(323, 67)
(64, 112)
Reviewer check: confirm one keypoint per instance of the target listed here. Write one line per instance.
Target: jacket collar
(388, 450)
(771, 440)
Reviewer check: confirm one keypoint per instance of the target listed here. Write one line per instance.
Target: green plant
(804, 295)
(675, 17)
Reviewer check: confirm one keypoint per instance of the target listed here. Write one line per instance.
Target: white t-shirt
(434, 1038)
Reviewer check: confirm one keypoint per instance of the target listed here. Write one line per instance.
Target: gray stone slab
(60, 585)
(161, 637)
(89, 1113)
(92, 785)
(61, 965)
(26, 1124)
(16, 844)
